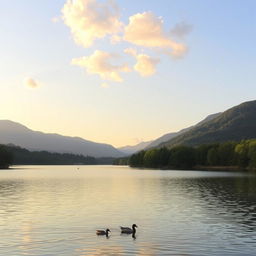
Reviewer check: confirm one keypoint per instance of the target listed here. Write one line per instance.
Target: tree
(163, 155)
(252, 154)
(212, 156)
(182, 157)
(201, 153)
(151, 158)
(226, 153)
(136, 160)
(242, 153)
(6, 157)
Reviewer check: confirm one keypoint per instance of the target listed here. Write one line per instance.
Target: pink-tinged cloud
(100, 63)
(146, 65)
(91, 19)
(146, 30)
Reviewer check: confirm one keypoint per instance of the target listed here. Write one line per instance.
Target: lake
(55, 210)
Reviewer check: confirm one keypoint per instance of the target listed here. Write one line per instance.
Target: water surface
(55, 210)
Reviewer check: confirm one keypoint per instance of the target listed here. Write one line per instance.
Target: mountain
(17, 134)
(169, 136)
(235, 124)
(129, 150)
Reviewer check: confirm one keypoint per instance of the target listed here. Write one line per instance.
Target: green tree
(136, 160)
(182, 157)
(201, 153)
(252, 154)
(212, 156)
(226, 153)
(6, 157)
(151, 158)
(163, 155)
(241, 150)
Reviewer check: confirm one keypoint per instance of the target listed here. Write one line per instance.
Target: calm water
(55, 210)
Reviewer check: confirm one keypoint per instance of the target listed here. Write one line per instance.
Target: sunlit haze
(122, 72)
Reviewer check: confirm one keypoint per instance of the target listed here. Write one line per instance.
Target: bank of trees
(27, 157)
(238, 154)
(19, 156)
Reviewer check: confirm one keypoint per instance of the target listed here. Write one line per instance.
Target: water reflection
(231, 199)
(56, 211)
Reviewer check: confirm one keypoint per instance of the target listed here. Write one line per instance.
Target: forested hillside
(235, 124)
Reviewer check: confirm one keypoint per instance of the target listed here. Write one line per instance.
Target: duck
(127, 230)
(102, 232)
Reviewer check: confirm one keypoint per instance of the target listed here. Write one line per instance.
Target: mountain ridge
(171, 135)
(135, 148)
(236, 123)
(20, 135)
(166, 137)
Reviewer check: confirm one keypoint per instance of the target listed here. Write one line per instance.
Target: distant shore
(219, 168)
(202, 168)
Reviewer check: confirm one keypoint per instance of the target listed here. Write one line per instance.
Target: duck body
(127, 230)
(102, 232)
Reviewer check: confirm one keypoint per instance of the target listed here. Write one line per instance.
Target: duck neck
(133, 230)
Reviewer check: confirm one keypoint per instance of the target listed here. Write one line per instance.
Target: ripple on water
(53, 210)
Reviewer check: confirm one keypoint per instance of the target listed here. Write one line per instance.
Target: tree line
(237, 154)
(14, 155)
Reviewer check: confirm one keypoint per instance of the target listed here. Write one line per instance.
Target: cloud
(145, 29)
(146, 65)
(30, 82)
(100, 63)
(116, 39)
(181, 29)
(90, 20)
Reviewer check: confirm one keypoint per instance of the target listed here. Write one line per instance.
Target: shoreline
(202, 168)
(221, 168)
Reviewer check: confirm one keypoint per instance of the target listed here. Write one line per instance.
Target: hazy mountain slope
(235, 124)
(20, 135)
(169, 136)
(128, 150)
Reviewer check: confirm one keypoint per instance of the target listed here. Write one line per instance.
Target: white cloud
(146, 65)
(145, 29)
(115, 39)
(30, 82)
(181, 29)
(100, 63)
(91, 19)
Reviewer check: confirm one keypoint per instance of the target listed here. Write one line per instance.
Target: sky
(121, 71)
